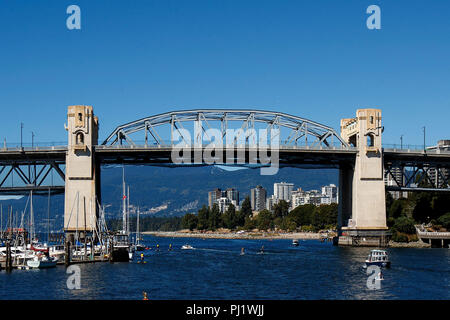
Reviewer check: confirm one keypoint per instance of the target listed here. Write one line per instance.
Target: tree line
(306, 217)
(403, 214)
(149, 224)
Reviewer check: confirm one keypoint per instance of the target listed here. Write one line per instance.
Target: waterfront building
(330, 192)
(270, 202)
(213, 196)
(283, 191)
(258, 198)
(233, 195)
(328, 195)
(223, 198)
(224, 203)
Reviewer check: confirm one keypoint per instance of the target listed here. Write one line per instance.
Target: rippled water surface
(216, 270)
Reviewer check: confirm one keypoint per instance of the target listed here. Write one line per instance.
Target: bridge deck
(116, 154)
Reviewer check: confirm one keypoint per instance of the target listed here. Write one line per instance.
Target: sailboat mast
(48, 217)
(124, 203)
(128, 211)
(137, 226)
(31, 217)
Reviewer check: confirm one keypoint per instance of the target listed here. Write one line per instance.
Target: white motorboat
(187, 247)
(42, 262)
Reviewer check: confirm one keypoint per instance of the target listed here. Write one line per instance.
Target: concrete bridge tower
(362, 211)
(82, 173)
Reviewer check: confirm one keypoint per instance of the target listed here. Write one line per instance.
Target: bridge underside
(319, 158)
(417, 171)
(37, 170)
(32, 170)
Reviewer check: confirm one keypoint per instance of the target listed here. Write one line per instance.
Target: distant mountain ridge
(164, 191)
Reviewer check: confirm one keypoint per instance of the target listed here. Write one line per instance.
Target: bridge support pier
(82, 173)
(362, 202)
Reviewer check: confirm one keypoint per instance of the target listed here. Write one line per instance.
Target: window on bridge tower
(352, 141)
(79, 138)
(80, 116)
(370, 140)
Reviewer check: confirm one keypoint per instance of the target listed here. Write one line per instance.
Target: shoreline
(234, 235)
(249, 235)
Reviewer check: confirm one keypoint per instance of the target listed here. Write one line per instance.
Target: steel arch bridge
(294, 131)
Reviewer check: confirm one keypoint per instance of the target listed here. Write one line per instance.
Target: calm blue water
(216, 270)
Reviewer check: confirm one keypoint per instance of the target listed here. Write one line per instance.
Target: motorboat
(295, 242)
(187, 247)
(42, 262)
(379, 258)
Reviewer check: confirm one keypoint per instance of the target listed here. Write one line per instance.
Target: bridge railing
(169, 144)
(37, 146)
(413, 148)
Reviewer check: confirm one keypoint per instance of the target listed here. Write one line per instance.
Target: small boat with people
(379, 258)
(295, 243)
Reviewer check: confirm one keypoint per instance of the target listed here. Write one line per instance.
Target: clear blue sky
(314, 59)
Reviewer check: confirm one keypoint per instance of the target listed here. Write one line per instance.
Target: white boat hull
(39, 264)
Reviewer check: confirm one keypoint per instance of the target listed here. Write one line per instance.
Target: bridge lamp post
(21, 134)
(424, 146)
(401, 142)
(32, 139)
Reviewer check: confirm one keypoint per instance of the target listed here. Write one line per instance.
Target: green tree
(230, 218)
(203, 218)
(249, 224)
(422, 211)
(302, 215)
(445, 221)
(404, 225)
(398, 208)
(189, 221)
(281, 209)
(264, 220)
(246, 209)
(215, 219)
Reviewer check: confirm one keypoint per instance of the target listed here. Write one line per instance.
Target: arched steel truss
(299, 131)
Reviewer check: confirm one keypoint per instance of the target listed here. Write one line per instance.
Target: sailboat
(138, 246)
(122, 249)
(40, 257)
